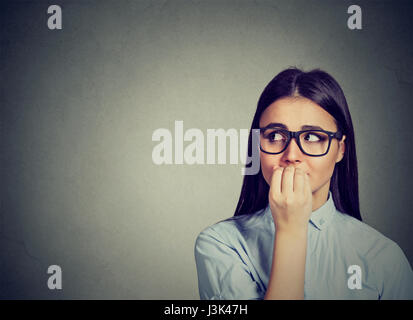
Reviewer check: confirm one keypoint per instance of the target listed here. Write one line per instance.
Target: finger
(287, 180)
(299, 181)
(308, 185)
(276, 180)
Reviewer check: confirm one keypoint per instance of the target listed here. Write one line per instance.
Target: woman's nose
(293, 152)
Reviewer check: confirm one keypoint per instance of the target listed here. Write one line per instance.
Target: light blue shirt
(234, 258)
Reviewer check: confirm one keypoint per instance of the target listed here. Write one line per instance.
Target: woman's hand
(290, 199)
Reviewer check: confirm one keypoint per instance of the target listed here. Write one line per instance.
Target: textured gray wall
(79, 106)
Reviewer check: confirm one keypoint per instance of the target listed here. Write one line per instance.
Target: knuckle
(289, 200)
(279, 169)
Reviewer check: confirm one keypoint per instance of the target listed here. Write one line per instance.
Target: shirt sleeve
(222, 274)
(394, 274)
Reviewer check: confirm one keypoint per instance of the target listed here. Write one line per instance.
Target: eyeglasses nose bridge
(295, 135)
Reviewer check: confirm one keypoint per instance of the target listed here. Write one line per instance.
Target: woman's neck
(320, 196)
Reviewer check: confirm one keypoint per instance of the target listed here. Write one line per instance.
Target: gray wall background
(79, 106)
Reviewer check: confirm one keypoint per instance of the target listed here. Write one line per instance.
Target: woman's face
(294, 113)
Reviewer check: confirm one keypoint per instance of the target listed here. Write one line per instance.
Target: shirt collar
(320, 217)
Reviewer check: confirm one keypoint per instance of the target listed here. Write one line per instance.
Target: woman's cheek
(267, 175)
(310, 179)
(267, 167)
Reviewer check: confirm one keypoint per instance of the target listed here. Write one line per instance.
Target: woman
(297, 231)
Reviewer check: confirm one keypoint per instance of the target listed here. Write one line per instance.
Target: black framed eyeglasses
(314, 143)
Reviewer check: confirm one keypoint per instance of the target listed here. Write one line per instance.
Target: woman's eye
(313, 137)
(275, 136)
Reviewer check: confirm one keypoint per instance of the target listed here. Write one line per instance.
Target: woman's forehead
(295, 112)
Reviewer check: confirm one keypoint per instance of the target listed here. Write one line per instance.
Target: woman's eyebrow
(274, 125)
(282, 125)
(310, 127)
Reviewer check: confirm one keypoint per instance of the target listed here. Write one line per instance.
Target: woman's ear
(341, 149)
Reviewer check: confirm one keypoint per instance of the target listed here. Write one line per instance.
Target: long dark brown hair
(323, 89)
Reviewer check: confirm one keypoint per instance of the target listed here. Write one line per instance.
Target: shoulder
(231, 230)
(382, 253)
(383, 257)
(222, 232)
(362, 236)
